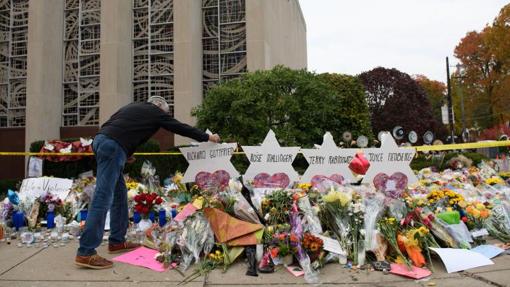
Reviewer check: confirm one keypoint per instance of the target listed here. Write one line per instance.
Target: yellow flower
(344, 198)
(423, 231)
(177, 178)
(476, 213)
(480, 206)
(305, 186)
(330, 197)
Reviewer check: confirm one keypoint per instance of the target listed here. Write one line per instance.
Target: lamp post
(450, 105)
(459, 90)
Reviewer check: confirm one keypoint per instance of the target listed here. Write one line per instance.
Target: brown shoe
(122, 247)
(94, 262)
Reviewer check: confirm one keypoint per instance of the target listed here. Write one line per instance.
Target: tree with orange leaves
(485, 77)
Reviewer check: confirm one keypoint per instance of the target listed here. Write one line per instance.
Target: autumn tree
(395, 99)
(485, 74)
(436, 93)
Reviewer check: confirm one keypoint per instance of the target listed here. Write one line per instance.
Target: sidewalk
(54, 267)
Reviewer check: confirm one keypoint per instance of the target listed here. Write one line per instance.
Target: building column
(115, 87)
(44, 70)
(187, 61)
(256, 45)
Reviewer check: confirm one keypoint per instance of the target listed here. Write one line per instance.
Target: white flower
(132, 193)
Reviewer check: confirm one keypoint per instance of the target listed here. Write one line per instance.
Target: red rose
(159, 200)
(464, 219)
(137, 198)
(145, 210)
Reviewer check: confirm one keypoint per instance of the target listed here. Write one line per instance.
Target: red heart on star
(392, 186)
(277, 180)
(217, 179)
(318, 179)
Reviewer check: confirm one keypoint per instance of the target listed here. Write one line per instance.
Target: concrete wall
(44, 70)
(276, 34)
(187, 61)
(115, 86)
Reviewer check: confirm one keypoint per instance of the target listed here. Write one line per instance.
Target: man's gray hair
(160, 102)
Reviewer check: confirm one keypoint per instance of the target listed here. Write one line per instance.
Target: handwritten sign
(271, 164)
(328, 161)
(207, 158)
(32, 188)
(390, 163)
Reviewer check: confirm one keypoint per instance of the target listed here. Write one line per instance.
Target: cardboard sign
(35, 167)
(390, 163)
(209, 159)
(271, 164)
(328, 162)
(456, 260)
(32, 188)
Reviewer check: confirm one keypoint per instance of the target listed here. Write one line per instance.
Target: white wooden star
(270, 158)
(328, 160)
(389, 159)
(209, 157)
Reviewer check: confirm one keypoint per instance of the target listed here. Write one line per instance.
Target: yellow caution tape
(476, 145)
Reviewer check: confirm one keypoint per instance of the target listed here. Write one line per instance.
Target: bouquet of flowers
(436, 226)
(179, 191)
(196, 238)
(334, 214)
(235, 203)
(498, 223)
(310, 219)
(146, 202)
(149, 178)
(312, 245)
(388, 227)
(282, 246)
(311, 276)
(476, 214)
(276, 207)
(445, 197)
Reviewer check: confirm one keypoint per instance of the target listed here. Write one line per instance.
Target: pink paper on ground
(141, 257)
(295, 270)
(415, 272)
(188, 210)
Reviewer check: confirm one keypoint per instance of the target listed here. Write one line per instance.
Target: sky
(413, 36)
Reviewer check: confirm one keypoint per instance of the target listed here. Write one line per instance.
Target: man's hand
(131, 159)
(214, 138)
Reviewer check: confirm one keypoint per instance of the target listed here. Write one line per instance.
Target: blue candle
(18, 219)
(50, 220)
(136, 217)
(83, 214)
(162, 217)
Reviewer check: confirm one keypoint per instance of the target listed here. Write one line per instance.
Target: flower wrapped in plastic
(389, 228)
(311, 221)
(437, 226)
(196, 238)
(234, 200)
(498, 223)
(334, 213)
(311, 275)
(149, 178)
(374, 205)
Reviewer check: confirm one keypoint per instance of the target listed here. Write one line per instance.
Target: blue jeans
(110, 194)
